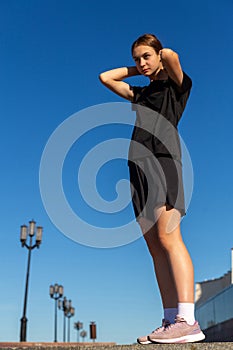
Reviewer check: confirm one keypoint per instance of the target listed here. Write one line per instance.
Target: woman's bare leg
(164, 275)
(169, 236)
(172, 262)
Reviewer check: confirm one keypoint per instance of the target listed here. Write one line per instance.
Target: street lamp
(62, 305)
(56, 292)
(83, 334)
(26, 231)
(78, 325)
(70, 311)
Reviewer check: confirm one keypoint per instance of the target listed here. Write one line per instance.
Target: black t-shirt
(159, 107)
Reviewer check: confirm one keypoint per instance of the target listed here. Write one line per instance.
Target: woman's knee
(169, 241)
(165, 241)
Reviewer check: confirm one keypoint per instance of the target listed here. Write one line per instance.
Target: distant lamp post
(78, 325)
(83, 334)
(56, 292)
(25, 232)
(93, 331)
(70, 311)
(63, 305)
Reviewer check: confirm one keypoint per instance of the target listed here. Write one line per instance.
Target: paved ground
(112, 346)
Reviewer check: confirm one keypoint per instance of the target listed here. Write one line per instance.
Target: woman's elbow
(103, 78)
(169, 54)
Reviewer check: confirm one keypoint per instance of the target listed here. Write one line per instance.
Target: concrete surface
(112, 346)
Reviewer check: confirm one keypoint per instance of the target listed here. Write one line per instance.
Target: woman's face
(147, 60)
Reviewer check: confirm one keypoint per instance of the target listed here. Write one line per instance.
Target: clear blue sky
(51, 55)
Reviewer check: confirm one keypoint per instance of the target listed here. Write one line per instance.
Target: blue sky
(51, 55)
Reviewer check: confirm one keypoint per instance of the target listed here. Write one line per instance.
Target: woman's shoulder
(185, 86)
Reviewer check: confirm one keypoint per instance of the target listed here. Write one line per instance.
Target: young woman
(156, 176)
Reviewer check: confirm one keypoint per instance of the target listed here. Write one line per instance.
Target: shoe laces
(165, 324)
(178, 320)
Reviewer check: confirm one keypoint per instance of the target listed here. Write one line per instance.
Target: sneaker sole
(144, 342)
(185, 339)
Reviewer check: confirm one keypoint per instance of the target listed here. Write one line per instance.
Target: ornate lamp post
(25, 232)
(78, 325)
(62, 305)
(56, 292)
(83, 334)
(70, 311)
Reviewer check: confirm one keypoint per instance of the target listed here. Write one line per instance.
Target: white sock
(170, 314)
(186, 311)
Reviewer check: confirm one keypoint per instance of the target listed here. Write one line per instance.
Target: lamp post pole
(83, 334)
(24, 233)
(70, 311)
(56, 292)
(62, 305)
(78, 325)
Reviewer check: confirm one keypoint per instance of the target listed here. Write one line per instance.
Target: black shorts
(156, 182)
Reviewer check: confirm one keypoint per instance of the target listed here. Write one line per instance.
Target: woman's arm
(113, 80)
(170, 61)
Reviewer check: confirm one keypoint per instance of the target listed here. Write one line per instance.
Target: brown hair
(148, 40)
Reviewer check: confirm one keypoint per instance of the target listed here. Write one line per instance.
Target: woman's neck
(160, 75)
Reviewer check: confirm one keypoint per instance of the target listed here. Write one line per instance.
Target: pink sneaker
(144, 339)
(179, 332)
